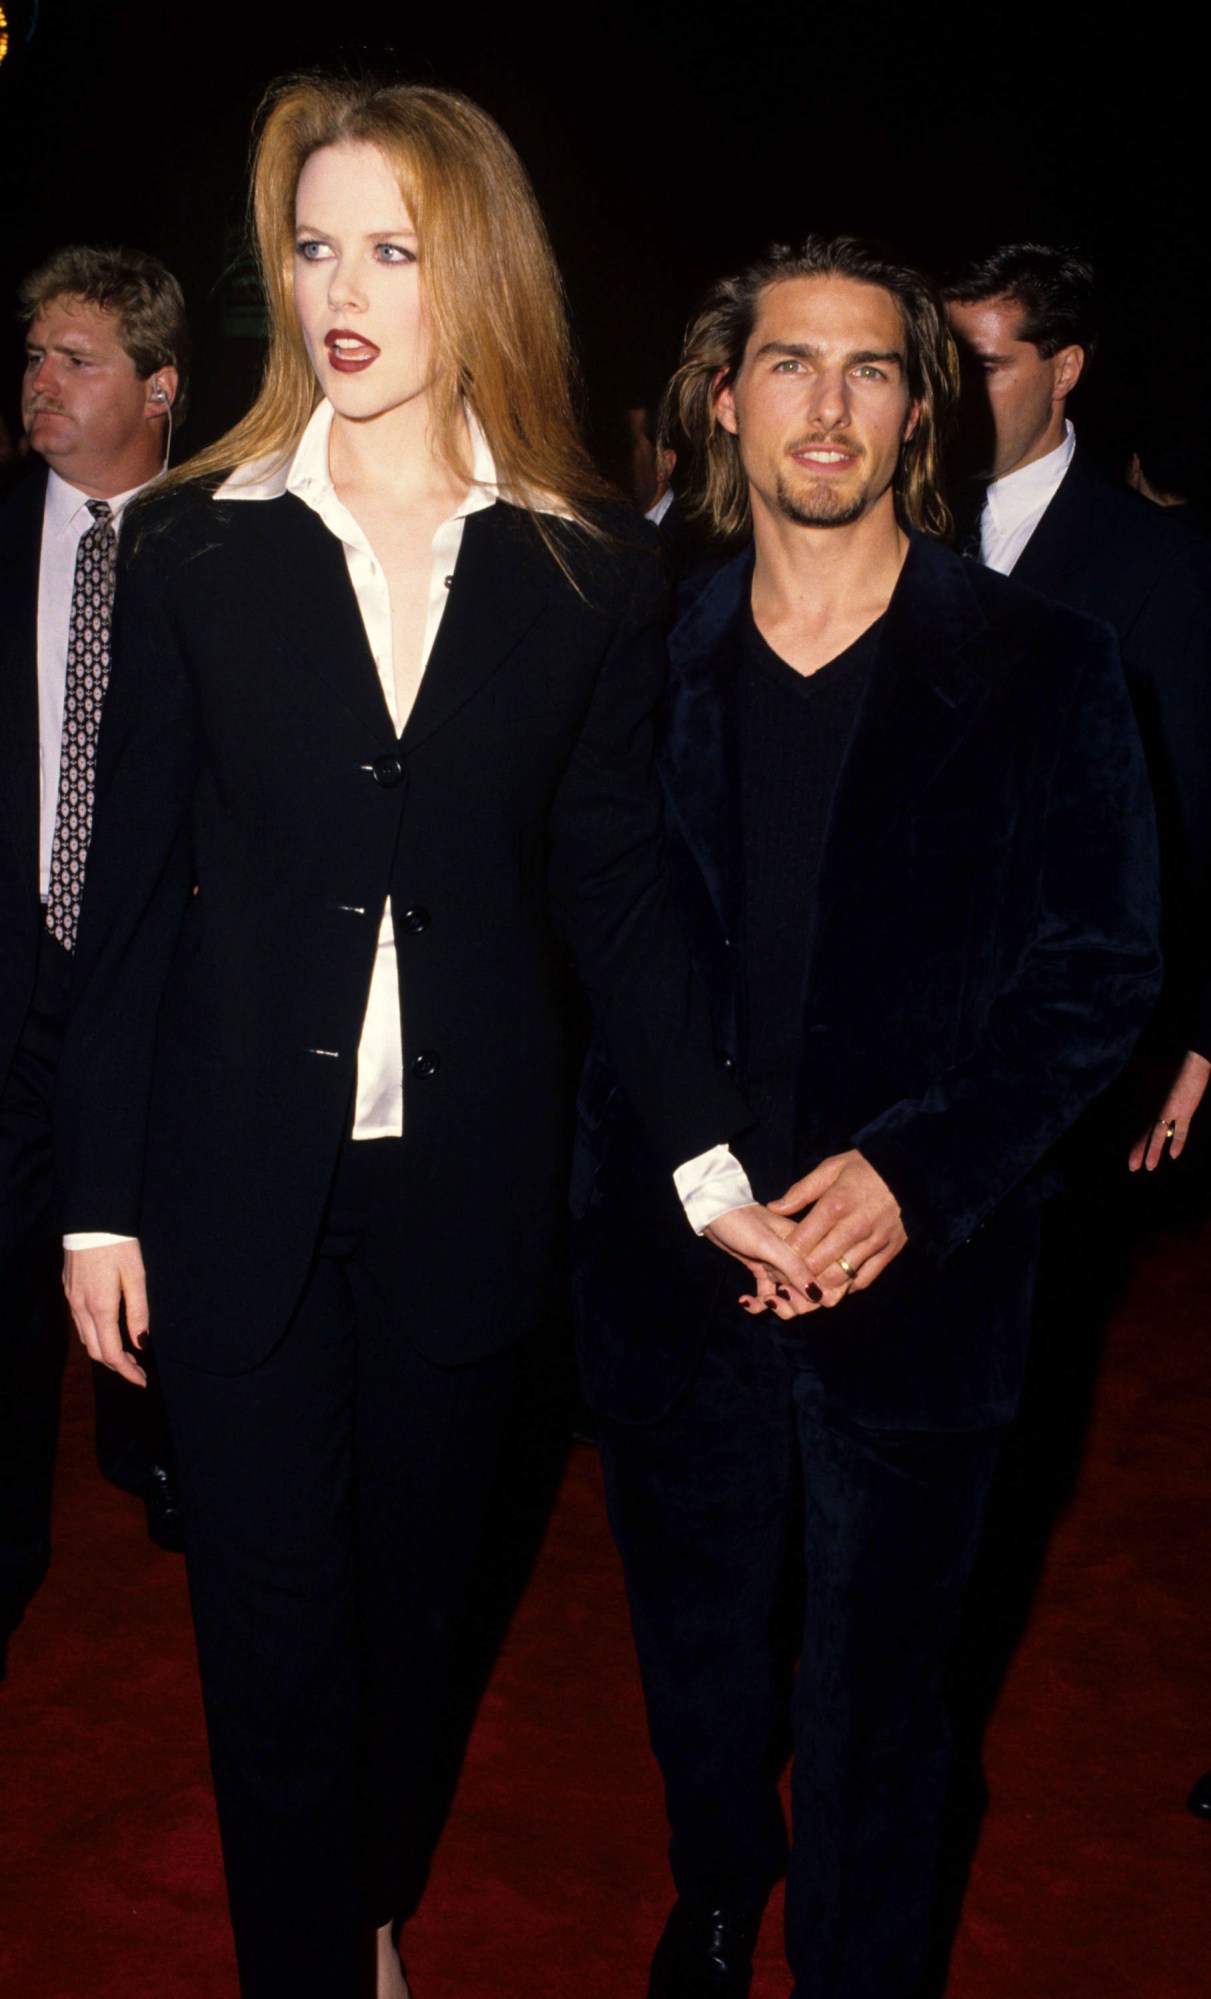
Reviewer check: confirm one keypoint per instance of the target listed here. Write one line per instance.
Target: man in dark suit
(1023, 317)
(105, 351)
(910, 832)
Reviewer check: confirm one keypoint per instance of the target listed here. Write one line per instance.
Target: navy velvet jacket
(982, 958)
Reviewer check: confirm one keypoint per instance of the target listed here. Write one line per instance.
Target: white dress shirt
(708, 1185)
(1014, 505)
(65, 518)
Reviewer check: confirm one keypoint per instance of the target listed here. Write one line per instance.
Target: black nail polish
(782, 1291)
(814, 1293)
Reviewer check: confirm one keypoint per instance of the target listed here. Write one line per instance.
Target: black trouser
(703, 1504)
(334, 1497)
(131, 1430)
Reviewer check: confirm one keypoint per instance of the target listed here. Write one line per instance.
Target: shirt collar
(304, 471)
(65, 502)
(1026, 491)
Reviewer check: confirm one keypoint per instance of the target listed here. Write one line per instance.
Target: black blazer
(20, 907)
(982, 958)
(246, 747)
(1104, 550)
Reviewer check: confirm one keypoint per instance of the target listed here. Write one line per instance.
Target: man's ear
(1068, 366)
(725, 402)
(912, 420)
(162, 386)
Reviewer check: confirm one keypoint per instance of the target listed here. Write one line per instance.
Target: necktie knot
(100, 510)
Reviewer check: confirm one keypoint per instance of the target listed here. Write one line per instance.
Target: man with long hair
(912, 839)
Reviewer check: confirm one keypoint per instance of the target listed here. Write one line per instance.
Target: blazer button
(413, 921)
(387, 771)
(427, 1063)
(727, 1065)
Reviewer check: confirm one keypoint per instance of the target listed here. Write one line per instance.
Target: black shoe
(705, 1954)
(1199, 1801)
(165, 1520)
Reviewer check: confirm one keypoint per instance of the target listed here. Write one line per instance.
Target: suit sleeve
(136, 889)
(612, 894)
(1086, 979)
(1167, 660)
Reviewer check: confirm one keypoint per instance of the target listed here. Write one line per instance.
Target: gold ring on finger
(848, 1268)
(1171, 1128)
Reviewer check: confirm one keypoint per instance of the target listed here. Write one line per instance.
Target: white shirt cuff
(712, 1185)
(96, 1240)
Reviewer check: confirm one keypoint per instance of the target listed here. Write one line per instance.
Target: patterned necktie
(87, 674)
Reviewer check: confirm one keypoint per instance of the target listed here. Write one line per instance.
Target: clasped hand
(851, 1230)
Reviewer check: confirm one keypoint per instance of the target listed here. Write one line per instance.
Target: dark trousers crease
(335, 1495)
(702, 1504)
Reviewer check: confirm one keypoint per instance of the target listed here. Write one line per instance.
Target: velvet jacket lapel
(698, 756)
(920, 699)
(20, 552)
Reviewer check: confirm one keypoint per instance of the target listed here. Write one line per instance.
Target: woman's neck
(395, 452)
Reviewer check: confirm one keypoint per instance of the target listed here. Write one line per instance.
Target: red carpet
(1090, 1880)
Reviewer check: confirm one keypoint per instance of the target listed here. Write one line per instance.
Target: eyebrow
(80, 345)
(805, 351)
(371, 234)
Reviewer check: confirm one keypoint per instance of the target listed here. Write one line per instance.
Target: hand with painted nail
(854, 1228)
(98, 1282)
(760, 1240)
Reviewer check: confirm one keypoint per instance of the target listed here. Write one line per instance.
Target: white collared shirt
(1014, 505)
(65, 518)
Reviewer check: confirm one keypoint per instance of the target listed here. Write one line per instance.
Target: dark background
(666, 142)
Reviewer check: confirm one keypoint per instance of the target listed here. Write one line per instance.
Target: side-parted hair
(138, 289)
(716, 493)
(1053, 287)
(492, 292)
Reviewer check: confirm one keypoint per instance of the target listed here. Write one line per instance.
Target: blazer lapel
(698, 757)
(496, 595)
(322, 625)
(918, 705)
(1059, 540)
(20, 555)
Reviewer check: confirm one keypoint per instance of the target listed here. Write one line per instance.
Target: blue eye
(395, 253)
(311, 249)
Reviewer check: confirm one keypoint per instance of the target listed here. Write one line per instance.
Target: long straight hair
(492, 291)
(716, 492)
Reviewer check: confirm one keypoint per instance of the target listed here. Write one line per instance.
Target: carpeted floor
(1089, 1879)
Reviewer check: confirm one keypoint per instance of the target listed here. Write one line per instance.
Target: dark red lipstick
(349, 352)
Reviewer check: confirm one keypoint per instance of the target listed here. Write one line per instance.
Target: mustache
(40, 407)
(847, 444)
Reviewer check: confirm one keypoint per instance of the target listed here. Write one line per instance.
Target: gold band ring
(848, 1268)
(1171, 1128)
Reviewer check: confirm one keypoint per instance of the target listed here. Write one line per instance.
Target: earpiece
(157, 392)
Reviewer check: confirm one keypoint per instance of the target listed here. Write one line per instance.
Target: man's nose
(829, 398)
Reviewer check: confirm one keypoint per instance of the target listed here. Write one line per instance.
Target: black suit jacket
(982, 958)
(20, 907)
(246, 748)
(1104, 550)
